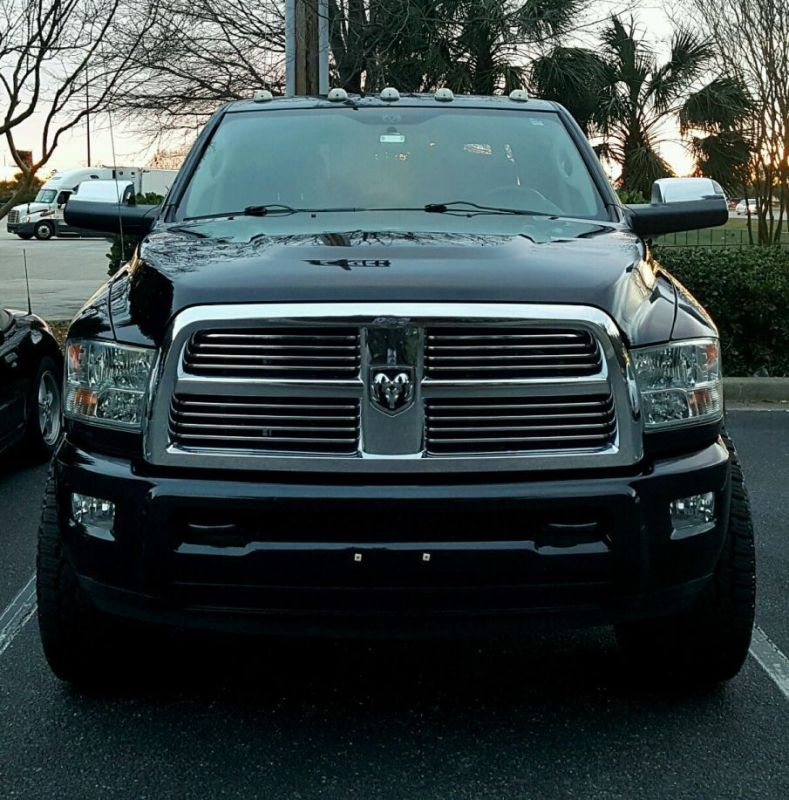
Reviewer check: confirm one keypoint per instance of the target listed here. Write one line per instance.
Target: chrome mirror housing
(685, 190)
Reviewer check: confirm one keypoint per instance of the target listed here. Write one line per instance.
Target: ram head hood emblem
(392, 388)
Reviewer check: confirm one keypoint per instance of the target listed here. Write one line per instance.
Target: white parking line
(771, 660)
(16, 616)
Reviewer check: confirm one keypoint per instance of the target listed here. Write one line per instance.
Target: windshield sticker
(479, 149)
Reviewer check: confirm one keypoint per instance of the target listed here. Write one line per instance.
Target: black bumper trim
(629, 566)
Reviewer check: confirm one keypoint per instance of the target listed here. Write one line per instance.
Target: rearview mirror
(679, 204)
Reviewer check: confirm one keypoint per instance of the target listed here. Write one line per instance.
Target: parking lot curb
(756, 390)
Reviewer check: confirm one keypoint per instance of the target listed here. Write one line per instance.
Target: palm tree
(473, 46)
(627, 98)
(720, 110)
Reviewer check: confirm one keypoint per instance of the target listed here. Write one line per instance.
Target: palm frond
(575, 77)
(641, 168)
(622, 44)
(721, 105)
(689, 57)
(724, 157)
(540, 20)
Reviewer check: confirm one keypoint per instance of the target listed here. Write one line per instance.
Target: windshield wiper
(270, 208)
(458, 207)
(450, 207)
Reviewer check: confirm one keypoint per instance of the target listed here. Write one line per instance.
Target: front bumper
(21, 228)
(335, 557)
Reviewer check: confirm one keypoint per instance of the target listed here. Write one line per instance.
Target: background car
(31, 369)
(744, 206)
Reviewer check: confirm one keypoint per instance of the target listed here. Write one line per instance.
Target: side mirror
(110, 217)
(110, 207)
(679, 204)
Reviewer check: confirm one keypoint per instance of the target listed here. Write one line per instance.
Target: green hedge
(747, 294)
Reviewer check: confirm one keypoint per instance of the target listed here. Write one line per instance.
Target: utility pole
(306, 47)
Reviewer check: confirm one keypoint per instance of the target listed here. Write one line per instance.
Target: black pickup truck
(398, 366)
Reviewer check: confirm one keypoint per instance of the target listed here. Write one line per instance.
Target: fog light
(97, 516)
(692, 515)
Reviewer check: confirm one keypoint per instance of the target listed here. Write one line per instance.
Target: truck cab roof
(410, 99)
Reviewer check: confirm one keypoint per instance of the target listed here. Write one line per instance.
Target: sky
(131, 149)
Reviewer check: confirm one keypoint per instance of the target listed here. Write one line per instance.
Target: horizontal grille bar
(312, 353)
(488, 353)
(281, 425)
(480, 426)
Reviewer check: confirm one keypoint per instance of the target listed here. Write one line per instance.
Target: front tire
(708, 643)
(25, 236)
(75, 635)
(44, 231)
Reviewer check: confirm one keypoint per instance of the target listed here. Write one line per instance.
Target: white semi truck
(43, 218)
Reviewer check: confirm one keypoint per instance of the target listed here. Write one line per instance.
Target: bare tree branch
(55, 63)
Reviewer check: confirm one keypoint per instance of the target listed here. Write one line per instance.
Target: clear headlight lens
(679, 383)
(107, 383)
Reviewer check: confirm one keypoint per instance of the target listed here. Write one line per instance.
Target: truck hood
(599, 265)
(34, 208)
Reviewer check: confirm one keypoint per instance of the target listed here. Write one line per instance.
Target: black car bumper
(332, 558)
(21, 228)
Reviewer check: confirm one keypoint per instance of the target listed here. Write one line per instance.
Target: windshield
(398, 157)
(46, 196)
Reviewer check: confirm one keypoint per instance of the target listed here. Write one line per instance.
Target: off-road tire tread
(709, 643)
(71, 627)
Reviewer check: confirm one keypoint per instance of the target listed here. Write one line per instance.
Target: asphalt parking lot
(63, 272)
(563, 717)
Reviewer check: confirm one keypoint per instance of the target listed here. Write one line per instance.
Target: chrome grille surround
(13, 217)
(392, 336)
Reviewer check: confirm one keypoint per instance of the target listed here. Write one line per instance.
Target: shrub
(631, 196)
(747, 294)
(120, 255)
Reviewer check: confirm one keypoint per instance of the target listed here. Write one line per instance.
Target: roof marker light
(444, 95)
(263, 96)
(519, 95)
(390, 94)
(337, 95)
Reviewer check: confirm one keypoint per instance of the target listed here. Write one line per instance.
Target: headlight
(107, 383)
(679, 383)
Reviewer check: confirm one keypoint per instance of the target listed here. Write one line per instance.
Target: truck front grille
(467, 353)
(517, 424)
(275, 352)
(13, 217)
(393, 388)
(277, 425)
